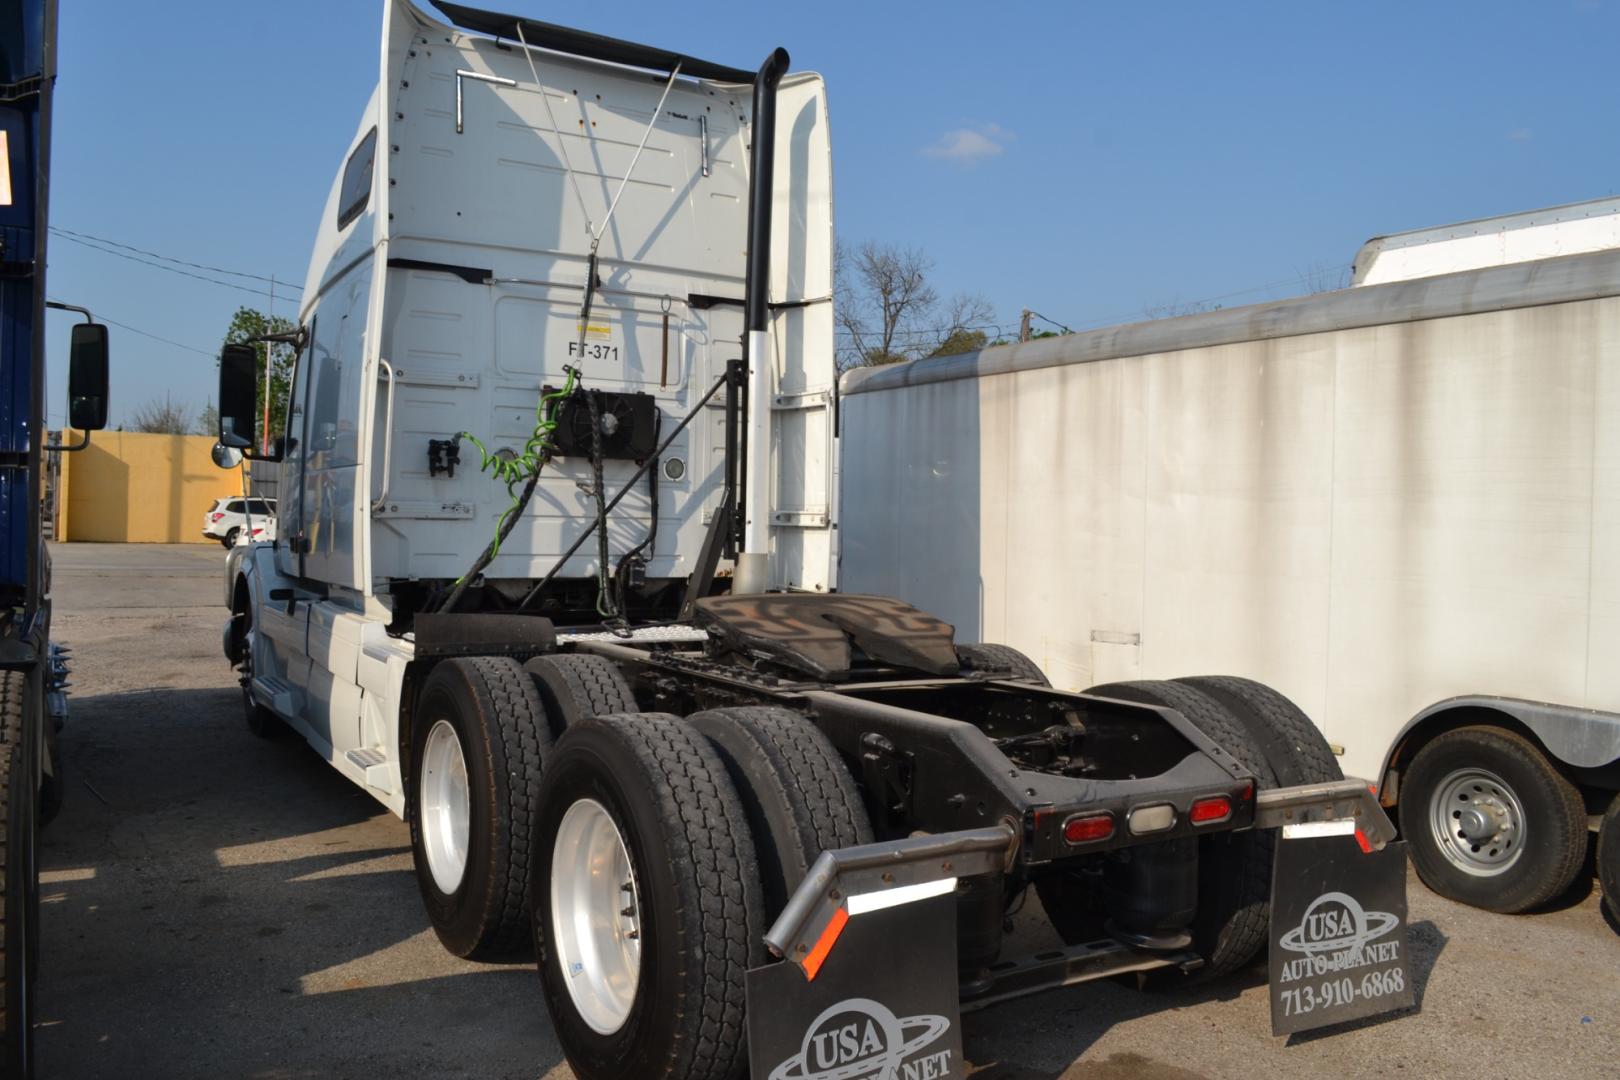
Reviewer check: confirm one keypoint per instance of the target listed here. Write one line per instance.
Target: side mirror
(226, 457)
(239, 400)
(87, 377)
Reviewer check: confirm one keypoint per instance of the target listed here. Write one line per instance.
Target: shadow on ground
(200, 895)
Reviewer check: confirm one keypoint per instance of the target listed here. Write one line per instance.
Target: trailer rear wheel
(1608, 857)
(1001, 660)
(1490, 822)
(1234, 868)
(642, 803)
(19, 880)
(574, 686)
(800, 798)
(478, 741)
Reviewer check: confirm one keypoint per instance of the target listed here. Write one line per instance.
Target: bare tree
(161, 418)
(208, 421)
(888, 311)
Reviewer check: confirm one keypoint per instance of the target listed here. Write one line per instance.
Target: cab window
(356, 189)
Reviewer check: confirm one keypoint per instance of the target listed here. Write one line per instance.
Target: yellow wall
(142, 489)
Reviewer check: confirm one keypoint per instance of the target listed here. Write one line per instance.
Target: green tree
(962, 340)
(250, 323)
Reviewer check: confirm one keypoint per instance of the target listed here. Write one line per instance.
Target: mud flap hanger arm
(818, 905)
(1352, 801)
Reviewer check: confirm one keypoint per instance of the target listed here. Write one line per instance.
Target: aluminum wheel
(595, 916)
(445, 806)
(1478, 821)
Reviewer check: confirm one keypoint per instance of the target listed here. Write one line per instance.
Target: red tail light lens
(1089, 829)
(1205, 811)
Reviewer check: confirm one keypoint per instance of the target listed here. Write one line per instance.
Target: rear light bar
(1088, 828)
(1209, 810)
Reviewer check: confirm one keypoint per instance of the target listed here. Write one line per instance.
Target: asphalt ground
(216, 905)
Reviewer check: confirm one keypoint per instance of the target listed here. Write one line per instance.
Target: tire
(1234, 868)
(1001, 660)
(229, 539)
(483, 713)
(19, 880)
(1495, 778)
(695, 901)
(260, 720)
(574, 686)
(1294, 747)
(1608, 857)
(800, 798)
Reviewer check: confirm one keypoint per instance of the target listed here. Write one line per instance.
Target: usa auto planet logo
(862, 1039)
(1336, 934)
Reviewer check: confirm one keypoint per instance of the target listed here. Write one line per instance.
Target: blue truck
(32, 669)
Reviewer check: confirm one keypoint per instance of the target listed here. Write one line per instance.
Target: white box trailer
(1398, 503)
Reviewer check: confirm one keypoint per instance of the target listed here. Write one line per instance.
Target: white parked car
(227, 521)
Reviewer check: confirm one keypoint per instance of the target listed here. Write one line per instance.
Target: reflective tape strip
(829, 937)
(861, 903)
(1305, 829)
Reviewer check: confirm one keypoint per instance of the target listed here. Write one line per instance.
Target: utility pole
(1023, 325)
(270, 326)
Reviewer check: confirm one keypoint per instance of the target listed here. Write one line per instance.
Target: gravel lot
(215, 905)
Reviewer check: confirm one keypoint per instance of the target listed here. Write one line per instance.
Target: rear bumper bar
(919, 866)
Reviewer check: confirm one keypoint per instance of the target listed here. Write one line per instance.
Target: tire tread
(1001, 659)
(811, 783)
(717, 874)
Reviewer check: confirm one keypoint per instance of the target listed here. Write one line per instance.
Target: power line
(170, 269)
(154, 337)
(1054, 322)
(167, 258)
(1296, 280)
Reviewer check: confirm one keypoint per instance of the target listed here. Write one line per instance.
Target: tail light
(1088, 829)
(215, 516)
(1210, 810)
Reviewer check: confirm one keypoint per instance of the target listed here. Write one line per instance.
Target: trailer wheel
(800, 798)
(479, 737)
(19, 879)
(1294, 747)
(647, 903)
(574, 686)
(1490, 822)
(1234, 868)
(1608, 857)
(1001, 660)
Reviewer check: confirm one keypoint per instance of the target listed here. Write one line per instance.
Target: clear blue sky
(1090, 161)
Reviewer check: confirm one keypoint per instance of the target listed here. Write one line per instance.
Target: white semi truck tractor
(555, 578)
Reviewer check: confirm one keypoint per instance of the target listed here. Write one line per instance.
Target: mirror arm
(59, 306)
(64, 448)
(296, 338)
